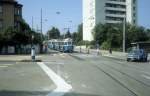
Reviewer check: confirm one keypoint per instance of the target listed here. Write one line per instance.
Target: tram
(62, 45)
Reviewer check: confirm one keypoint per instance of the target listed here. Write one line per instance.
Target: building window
(134, 21)
(134, 8)
(1, 9)
(134, 1)
(134, 14)
(1, 24)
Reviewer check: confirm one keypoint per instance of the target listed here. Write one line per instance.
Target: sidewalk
(16, 58)
(115, 54)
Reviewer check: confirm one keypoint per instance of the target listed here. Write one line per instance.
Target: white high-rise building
(107, 11)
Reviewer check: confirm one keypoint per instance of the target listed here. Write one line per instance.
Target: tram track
(124, 79)
(126, 74)
(105, 68)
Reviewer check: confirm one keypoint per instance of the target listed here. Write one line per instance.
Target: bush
(105, 45)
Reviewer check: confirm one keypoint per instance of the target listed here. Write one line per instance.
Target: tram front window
(65, 43)
(69, 43)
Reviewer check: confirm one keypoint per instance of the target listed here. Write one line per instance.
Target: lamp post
(32, 49)
(124, 35)
(32, 23)
(68, 29)
(41, 24)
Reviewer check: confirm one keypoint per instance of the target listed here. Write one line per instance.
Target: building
(10, 14)
(107, 11)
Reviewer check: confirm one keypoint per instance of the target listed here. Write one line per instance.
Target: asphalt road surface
(62, 74)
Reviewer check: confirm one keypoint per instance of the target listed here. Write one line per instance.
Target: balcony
(116, 2)
(115, 15)
(116, 9)
(113, 21)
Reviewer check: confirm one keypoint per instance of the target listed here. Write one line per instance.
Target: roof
(11, 2)
(141, 43)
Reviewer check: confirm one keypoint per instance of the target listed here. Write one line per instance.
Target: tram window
(60, 43)
(65, 43)
(69, 43)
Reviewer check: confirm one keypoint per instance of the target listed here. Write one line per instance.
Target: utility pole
(68, 29)
(32, 23)
(124, 34)
(41, 24)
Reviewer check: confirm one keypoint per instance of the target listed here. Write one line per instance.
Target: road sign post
(33, 53)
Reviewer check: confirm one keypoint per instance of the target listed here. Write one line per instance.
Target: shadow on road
(22, 93)
(38, 93)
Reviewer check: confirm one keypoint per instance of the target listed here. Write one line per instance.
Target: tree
(15, 37)
(68, 34)
(112, 35)
(74, 36)
(135, 34)
(80, 33)
(54, 33)
(100, 33)
(78, 36)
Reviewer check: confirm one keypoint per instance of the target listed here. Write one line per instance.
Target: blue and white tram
(65, 45)
(51, 43)
(68, 45)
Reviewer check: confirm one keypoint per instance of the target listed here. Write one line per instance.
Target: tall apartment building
(10, 14)
(107, 11)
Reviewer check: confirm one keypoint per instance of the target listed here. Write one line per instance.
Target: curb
(113, 57)
(38, 58)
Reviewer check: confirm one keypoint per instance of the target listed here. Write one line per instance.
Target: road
(62, 74)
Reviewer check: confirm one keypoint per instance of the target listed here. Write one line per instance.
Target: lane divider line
(62, 86)
(3, 66)
(146, 77)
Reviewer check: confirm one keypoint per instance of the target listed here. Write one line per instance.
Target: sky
(70, 13)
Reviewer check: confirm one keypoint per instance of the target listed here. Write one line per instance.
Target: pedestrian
(110, 50)
(80, 49)
(98, 48)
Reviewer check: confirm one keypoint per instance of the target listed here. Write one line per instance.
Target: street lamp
(42, 28)
(64, 33)
(68, 28)
(124, 34)
(32, 49)
(41, 24)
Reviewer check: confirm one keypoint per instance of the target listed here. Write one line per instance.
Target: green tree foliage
(54, 33)
(80, 33)
(74, 36)
(77, 36)
(135, 34)
(111, 35)
(107, 33)
(12, 36)
(68, 34)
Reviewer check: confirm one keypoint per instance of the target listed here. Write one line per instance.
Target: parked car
(137, 55)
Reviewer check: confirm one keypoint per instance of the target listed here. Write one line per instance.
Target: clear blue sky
(70, 10)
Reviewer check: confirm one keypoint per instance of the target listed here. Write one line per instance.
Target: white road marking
(83, 85)
(54, 63)
(6, 64)
(148, 73)
(3, 66)
(146, 77)
(62, 86)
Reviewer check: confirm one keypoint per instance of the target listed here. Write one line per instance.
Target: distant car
(137, 55)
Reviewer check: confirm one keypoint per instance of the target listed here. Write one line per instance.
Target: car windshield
(135, 52)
